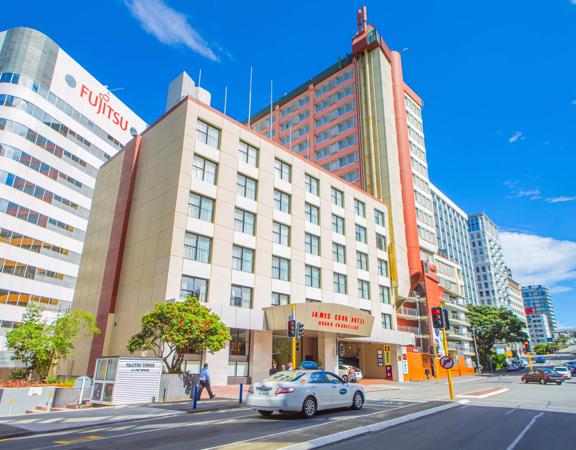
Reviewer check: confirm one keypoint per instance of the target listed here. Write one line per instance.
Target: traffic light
(299, 330)
(437, 317)
(446, 320)
(291, 328)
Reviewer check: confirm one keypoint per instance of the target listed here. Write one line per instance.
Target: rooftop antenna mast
(199, 77)
(225, 97)
(250, 98)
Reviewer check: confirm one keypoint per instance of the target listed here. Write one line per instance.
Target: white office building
(488, 258)
(58, 125)
(453, 239)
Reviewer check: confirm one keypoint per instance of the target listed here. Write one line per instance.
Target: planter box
(15, 401)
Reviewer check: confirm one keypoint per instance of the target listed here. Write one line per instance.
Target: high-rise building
(202, 205)
(537, 300)
(488, 259)
(539, 329)
(453, 239)
(361, 121)
(516, 301)
(58, 125)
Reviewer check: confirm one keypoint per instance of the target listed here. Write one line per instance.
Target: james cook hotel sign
(327, 317)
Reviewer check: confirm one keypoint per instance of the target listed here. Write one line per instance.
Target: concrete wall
(15, 401)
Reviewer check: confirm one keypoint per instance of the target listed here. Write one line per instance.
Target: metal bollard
(195, 400)
(241, 392)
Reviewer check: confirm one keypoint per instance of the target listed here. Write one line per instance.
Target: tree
(39, 345)
(173, 329)
(493, 324)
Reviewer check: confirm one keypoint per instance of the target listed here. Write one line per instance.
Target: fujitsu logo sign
(100, 103)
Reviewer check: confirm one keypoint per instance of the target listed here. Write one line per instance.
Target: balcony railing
(412, 312)
(414, 330)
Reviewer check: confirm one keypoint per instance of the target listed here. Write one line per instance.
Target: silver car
(304, 391)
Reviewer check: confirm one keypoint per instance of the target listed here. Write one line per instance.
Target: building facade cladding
(516, 301)
(319, 120)
(58, 125)
(459, 336)
(539, 329)
(453, 239)
(537, 297)
(196, 227)
(488, 258)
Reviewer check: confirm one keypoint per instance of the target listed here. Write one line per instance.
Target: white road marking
(513, 410)
(304, 428)
(524, 431)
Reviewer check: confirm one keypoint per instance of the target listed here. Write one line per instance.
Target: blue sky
(497, 80)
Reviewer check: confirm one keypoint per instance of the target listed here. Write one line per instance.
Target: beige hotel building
(200, 204)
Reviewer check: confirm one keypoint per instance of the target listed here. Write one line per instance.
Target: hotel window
(381, 241)
(208, 134)
(248, 154)
(200, 207)
(246, 187)
(382, 268)
(362, 260)
(242, 259)
(337, 197)
(379, 218)
(204, 170)
(194, 287)
(340, 285)
(240, 342)
(337, 224)
(312, 244)
(338, 253)
(384, 293)
(280, 268)
(359, 208)
(244, 221)
(283, 170)
(241, 296)
(281, 201)
(312, 276)
(281, 233)
(312, 185)
(364, 289)
(280, 299)
(387, 321)
(312, 213)
(360, 233)
(197, 248)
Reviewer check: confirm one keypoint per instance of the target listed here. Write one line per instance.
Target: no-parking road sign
(447, 362)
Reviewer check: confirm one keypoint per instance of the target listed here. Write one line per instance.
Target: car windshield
(547, 371)
(285, 376)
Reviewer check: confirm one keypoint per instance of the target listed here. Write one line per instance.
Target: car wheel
(345, 378)
(524, 380)
(309, 407)
(542, 381)
(357, 400)
(559, 383)
(265, 413)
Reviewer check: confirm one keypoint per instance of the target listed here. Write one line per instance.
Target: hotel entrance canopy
(342, 320)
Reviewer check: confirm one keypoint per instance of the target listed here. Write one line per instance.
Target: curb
(358, 431)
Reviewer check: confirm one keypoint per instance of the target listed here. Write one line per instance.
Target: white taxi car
(304, 391)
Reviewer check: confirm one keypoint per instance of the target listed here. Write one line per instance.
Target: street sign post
(447, 362)
(450, 386)
(80, 384)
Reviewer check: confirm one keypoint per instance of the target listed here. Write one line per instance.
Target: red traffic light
(437, 317)
(291, 328)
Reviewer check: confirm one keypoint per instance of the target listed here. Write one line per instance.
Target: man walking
(427, 372)
(205, 382)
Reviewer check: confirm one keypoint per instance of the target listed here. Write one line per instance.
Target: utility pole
(476, 351)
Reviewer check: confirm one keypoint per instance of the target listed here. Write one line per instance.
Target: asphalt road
(197, 431)
(476, 428)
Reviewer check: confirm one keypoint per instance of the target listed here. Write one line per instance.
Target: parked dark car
(543, 376)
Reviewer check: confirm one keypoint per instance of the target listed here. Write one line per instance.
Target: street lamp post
(474, 330)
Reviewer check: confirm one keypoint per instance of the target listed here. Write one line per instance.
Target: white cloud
(168, 26)
(561, 198)
(540, 260)
(518, 136)
(516, 192)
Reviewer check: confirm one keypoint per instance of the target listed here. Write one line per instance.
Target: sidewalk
(27, 424)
